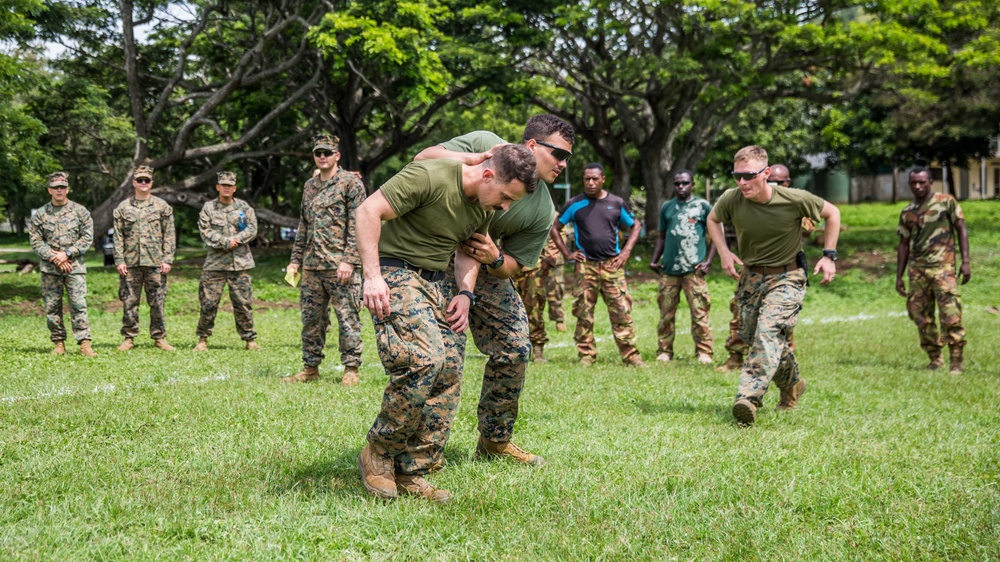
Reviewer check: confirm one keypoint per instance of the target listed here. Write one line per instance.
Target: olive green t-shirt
(523, 229)
(769, 234)
(434, 215)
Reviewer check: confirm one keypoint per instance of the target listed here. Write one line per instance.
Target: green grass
(153, 456)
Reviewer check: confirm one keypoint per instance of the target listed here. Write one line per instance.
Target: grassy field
(155, 456)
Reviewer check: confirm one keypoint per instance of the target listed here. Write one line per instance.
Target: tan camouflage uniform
(699, 301)
(69, 229)
(597, 279)
(423, 370)
(932, 272)
(325, 238)
(538, 287)
(144, 239)
(218, 224)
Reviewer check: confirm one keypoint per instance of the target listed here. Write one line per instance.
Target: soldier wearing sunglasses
(772, 285)
(516, 238)
(145, 243)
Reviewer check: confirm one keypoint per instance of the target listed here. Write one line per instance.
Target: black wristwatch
(497, 263)
(471, 296)
(832, 254)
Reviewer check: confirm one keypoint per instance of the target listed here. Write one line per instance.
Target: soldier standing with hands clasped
(145, 243)
(227, 225)
(60, 233)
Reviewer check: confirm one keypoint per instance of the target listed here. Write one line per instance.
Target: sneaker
(734, 363)
(162, 344)
(252, 346)
(705, 359)
(126, 345)
(790, 396)
(635, 360)
(202, 344)
(86, 350)
(419, 486)
(307, 374)
(351, 376)
(561, 326)
(664, 357)
(489, 449)
(377, 472)
(587, 360)
(59, 349)
(745, 412)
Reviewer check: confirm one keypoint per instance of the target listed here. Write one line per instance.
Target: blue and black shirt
(596, 222)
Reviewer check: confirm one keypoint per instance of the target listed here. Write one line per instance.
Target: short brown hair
(514, 162)
(544, 125)
(752, 152)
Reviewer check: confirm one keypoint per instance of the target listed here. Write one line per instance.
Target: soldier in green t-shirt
(499, 322)
(407, 232)
(768, 224)
(927, 229)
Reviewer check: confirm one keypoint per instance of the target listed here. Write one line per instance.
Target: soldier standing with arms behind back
(60, 234)
(145, 243)
(772, 283)
(927, 229)
(326, 251)
(227, 225)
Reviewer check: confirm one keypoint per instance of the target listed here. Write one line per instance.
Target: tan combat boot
(126, 345)
(489, 449)
(635, 360)
(956, 361)
(790, 396)
(305, 375)
(162, 344)
(538, 354)
(705, 359)
(734, 363)
(59, 349)
(252, 346)
(664, 357)
(377, 472)
(936, 361)
(745, 412)
(419, 486)
(86, 350)
(202, 344)
(561, 326)
(351, 376)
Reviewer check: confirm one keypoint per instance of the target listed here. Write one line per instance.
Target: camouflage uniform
(424, 370)
(928, 228)
(144, 239)
(699, 301)
(538, 287)
(596, 278)
(734, 344)
(325, 238)
(769, 307)
(69, 229)
(218, 224)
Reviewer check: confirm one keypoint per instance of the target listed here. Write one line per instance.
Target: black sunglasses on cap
(319, 153)
(560, 154)
(747, 176)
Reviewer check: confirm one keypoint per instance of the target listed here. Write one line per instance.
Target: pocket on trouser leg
(394, 339)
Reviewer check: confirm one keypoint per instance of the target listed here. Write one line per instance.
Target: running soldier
(227, 225)
(686, 257)
(927, 229)
(404, 260)
(145, 243)
(772, 284)
(515, 240)
(326, 251)
(60, 233)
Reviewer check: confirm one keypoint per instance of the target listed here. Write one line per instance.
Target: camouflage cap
(227, 178)
(327, 142)
(143, 172)
(57, 179)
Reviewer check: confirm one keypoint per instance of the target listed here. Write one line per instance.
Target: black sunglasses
(143, 180)
(747, 176)
(319, 153)
(678, 183)
(560, 154)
